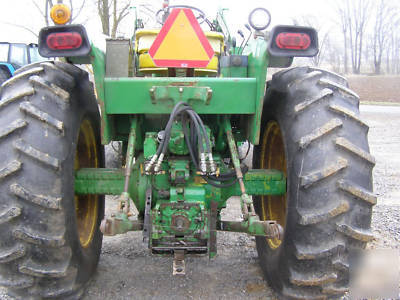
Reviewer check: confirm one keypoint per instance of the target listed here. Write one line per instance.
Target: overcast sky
(24, 13)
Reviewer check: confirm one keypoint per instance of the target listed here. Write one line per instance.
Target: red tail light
(292, 40)
(64, 40)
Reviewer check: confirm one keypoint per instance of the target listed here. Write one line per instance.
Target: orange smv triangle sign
(181, 42)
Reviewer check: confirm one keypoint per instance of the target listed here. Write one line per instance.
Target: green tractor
(181, 99)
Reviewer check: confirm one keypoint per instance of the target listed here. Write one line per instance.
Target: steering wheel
(201, 17)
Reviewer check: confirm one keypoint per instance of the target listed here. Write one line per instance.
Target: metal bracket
(147, 218)
(179, 171)
(178, 265)
(180, 93)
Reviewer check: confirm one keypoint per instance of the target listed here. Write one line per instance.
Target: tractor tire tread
(332, 212)
(36, 154)
(41, 200)
(314, 216)
(36, 256)
(20, 94)
(46, 118)
(22, 76)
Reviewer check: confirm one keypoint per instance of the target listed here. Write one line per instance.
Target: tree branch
(23, 27)
(80, 10)
(123, 13)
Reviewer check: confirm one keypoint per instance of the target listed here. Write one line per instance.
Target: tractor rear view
(181, 99)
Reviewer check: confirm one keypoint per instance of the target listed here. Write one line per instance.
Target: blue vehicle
(15, 55)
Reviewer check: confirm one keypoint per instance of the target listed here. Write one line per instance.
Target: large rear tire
(49, 127)
(311, 130)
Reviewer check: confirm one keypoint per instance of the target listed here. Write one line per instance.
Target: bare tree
(381, 33)
(393, 49)
(344, 29)
(115, 9)
(354, 16)
(45, 11)
(104, 14)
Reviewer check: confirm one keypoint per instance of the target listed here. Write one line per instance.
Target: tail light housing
(64, 41)
(292, 41)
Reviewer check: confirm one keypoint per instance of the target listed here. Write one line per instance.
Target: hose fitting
(211, 162)
(151, 163)
(203, 165)
(159, 162)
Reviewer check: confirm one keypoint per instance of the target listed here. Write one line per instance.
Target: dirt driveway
(127, 270)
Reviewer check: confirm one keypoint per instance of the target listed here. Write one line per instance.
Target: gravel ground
(128, 271)
(384, 140)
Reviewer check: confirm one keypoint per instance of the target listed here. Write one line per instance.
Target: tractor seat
(145, 38)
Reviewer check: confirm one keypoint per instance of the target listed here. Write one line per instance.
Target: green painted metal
(259, 183)
(111, 182)
(208, 95)
(190, 213)
(150, 144)
(235, 72)
(177, 144)
(99, 69)
(161, 94)
(133, 95)
(257, 68)
(99, 181)
(179, 170)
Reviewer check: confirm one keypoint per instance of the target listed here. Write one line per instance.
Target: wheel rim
(86, 206)
(273, 157)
